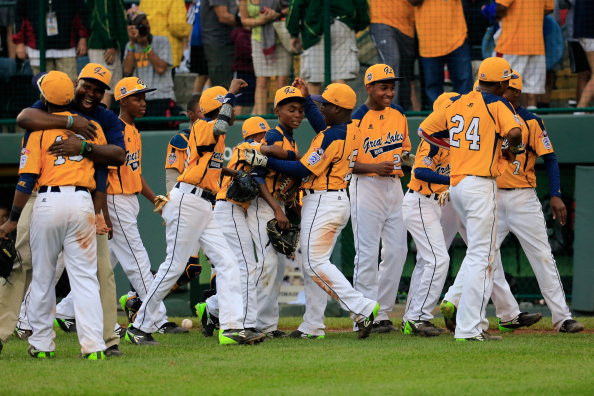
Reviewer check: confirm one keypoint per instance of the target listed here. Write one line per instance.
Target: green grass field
(538, 361)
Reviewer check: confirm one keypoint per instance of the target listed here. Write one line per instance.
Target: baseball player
(93, 80)
(325, 171)
(376, 201)
(190, 223)
(64, 217)
(476, 124)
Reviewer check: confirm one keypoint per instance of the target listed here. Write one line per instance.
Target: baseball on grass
(186, 324)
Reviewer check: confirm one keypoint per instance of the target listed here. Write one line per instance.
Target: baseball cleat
(67, 325)
(524, 319)
(131, 307)
(209, 322)
(40, 354)
(378, 328)
(276, 334)
(113, 350)
(123, 301)
(366, 325)
(22, 334)
(172, 328)
(448, 310)
(120, 332)
(571, 326)
(93, 355)
(484, 336)
(300, 334)
(420, 327)
(139, 337)
(432, 326)
(239, 337)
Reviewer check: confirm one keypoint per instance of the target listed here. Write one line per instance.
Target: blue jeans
(460, 69)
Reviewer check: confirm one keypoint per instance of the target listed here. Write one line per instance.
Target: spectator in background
(306, 18)
(168, 18)
(392, 30)
(270, 58)
(243, 68)
(442, 33)
(197, 58)
(583, 30)
(148, 57)
(67, 30)
(578, 61)
(4, 212)
(521, 42)
(477, 26)
(8, 65)
(108, 38)
(217, 19)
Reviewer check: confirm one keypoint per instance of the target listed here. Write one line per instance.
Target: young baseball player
(325, 171)
(476, 124)
(190, 224)
(376, 201)
(65, 217)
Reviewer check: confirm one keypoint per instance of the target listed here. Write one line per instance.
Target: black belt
(311, 191)
(435, 196)
(56, 189)
(510, 189)
(210, 197)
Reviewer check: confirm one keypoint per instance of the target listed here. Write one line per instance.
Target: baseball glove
(288, 190)
(243, 188)
(408, 159)
(8, 254)
(283, 241)
(255, 158)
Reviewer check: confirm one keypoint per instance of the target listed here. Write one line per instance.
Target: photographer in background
(148, 57)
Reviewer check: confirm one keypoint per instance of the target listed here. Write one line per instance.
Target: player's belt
(515, 188)
(311, 191)
(56, 189)
(433, 196)
(197, 191)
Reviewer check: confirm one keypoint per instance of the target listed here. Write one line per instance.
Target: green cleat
(209, 322)
(423, 328)
(300, 334)
(524, 319)
(40, 354)
(448, 310)
(239, 337)
(366, 325)
(123, 301)
(93, 356)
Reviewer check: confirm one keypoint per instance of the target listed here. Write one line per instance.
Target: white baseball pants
(376, 212)
(422, 218)
(65, 220)
(190, 222)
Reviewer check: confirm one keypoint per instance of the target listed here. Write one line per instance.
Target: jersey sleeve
(406, 146)
(436, 124)
(507, 118)
(31, 155)
(273, 137)
(424, 156)
(539, 139)
(175, 158)
(241, 155)
(318, 158)
(112, 126)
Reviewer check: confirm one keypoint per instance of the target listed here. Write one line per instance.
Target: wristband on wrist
(148, 49)
(15, 213)
(131, 48)
(82, 149)
(70, 121)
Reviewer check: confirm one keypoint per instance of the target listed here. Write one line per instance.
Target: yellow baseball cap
(338, 94)
(441, 99)
(130, 86)
(288, 92)
(495, 69)
(212, 99)
(254, 125)
(380, 72)
(56, 86)
(516, 82)
(94, 71)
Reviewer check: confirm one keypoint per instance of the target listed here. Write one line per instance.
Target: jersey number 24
(472, 132)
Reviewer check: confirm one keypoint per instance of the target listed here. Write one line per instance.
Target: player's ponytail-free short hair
(193, 103)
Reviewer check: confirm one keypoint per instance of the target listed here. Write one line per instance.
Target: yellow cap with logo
(495, 69)
(94, 71)
(130, 86)
(338, 94)
(516, 82)
(254, 125)
(56, 86)
(441, 99)
(212, 99)
(285, 93)
(380, 72)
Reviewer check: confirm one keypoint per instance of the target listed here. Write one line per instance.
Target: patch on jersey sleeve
(23, 161)
(517, 119)
(546, 142)
(543, 133)
(172, 158)
(428, 160)
(314, 158)
(25, 151)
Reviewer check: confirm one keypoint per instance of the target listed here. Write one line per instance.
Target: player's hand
(21, 51)
(408, 159)
(283, 221)
(296, 45)
(7, 228)
(301, 85)
(109, 55)
(81, 48)
(100, 225)
(236, 84)
(384, 168)
(508, 155)
(84, 128)
(67, 147)
(160, 202)
(558, 210)
(441, 200)
(109, 225)
(255, 158)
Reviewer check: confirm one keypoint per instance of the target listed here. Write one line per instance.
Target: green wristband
(147, 49)
(82, 150)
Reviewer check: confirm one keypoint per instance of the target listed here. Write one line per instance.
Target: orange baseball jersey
(125, 179)
(520, 173)
(521, 27)
(396, 13)
(206, 157)
(237, 162)
(434, 158)
(177, 151)
(384, 136)
(277, 137)
(441, 27)
(331, 157)
(476, 124)
(58, 170)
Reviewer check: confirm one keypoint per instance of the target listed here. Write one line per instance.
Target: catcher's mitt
(8, 254)
(243, 188)
(287, 190)
(283, 241)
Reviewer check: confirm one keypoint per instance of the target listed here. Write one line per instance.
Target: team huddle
(76, 208)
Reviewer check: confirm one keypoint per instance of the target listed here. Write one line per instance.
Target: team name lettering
(132, 160)
(378, 146)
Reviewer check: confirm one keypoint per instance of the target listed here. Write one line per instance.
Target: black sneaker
(40, 354)
(67, 325)
(139, 337)
(571, 326)
(378, 328)
(484, 336)
(93, 356)
(209, 322)
(239, 337)
(172, 328)
(22, 334)
(421, 328)
(120, 332)
(524, 319)
(366, 325)
(114, 350)
(276, 334)
(431, 325)
(300, 334)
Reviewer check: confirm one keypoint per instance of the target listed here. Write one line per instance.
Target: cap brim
(319, 98)
(389, 79)
(36, 79)
(514, 76)
(299, 99)
(98, 81)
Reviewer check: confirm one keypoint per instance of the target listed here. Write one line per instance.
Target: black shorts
(198, 60)
(577, 57)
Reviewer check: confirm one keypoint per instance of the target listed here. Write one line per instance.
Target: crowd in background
(429, 43)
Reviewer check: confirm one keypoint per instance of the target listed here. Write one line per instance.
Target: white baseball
(186, 324)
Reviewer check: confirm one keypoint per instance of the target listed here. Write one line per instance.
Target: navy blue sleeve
(290, 168)
(39, 106)
(259, 174)
(230, 99)
(112, 126)
(315, 118)
(101, 178)
(291, 156)
(26, 183)
(552, 168)
(429, 176)
(273, 136)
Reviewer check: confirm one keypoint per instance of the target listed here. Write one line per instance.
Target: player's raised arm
(226, 111)
(315, 118)
(35, 119)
